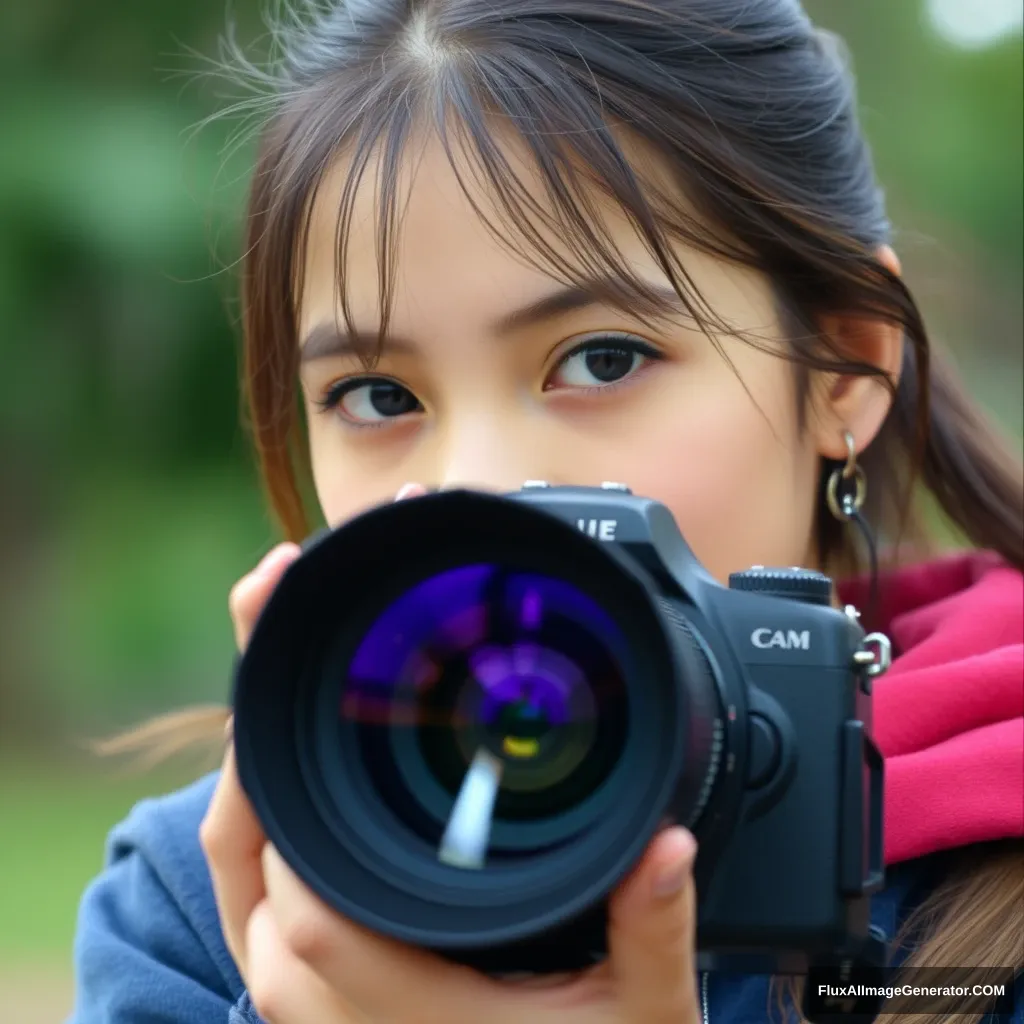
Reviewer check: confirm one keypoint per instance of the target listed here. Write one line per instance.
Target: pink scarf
(949, 714)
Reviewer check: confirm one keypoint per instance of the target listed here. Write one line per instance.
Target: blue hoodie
(149, 948)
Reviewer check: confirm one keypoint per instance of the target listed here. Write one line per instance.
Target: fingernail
(671, 878)
(407, 491)
(276, 558)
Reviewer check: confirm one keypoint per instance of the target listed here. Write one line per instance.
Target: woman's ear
(844, 402)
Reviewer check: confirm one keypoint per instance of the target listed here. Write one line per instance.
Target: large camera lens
(461, 721)
(521, 666)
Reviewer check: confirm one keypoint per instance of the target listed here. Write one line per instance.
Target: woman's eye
(370, 402)
(601, 364)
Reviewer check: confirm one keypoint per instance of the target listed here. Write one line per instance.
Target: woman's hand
(303, 963)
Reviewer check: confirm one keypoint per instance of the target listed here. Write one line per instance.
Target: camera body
(790, 829)
(741, 712)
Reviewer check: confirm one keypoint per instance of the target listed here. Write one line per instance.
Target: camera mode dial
(795, 584)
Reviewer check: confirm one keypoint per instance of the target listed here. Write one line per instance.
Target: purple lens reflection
(526, 673)
(442, 613)
(519, 666)
(457, 613)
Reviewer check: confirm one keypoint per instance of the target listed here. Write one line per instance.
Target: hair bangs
(555, 169)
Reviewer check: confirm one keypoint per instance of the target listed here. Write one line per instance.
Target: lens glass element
(523, 669)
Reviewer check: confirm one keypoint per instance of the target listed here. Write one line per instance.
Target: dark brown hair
(753, 110)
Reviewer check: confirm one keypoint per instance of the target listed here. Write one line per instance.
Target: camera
(461, 719)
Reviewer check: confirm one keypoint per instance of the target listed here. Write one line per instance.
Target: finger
(232, 841)
(382, 979)
(283, 989)
(652, 927)
(250, 593)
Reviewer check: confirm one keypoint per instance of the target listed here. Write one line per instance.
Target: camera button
(764, 753)
(804, 585)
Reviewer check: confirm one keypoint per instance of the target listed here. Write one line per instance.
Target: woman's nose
(488, 458)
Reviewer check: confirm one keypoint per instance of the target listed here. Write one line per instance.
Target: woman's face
(494, 375)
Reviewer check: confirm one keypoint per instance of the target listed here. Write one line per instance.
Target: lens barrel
(461, 721)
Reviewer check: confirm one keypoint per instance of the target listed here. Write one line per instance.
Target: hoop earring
(845, 493)
(848, 485)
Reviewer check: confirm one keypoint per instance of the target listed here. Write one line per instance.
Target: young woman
(589, 240)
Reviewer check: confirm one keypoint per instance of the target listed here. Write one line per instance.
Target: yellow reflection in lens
(516, 747)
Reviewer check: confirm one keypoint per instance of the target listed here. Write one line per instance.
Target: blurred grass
(55, 820)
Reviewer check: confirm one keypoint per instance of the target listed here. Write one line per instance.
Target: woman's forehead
(453, 239)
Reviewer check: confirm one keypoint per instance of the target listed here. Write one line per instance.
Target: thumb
(251, 592)
(652, 928)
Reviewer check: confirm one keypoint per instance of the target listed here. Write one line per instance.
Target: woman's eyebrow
(326, 339)
(596, 291)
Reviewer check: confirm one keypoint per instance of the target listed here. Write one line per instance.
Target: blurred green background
(128, 504)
